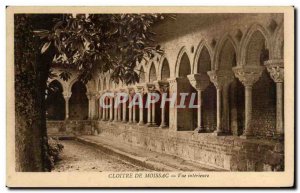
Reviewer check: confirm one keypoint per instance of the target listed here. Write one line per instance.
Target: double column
(151, 107)
(276, 69)
(139, 89)
(222, 79)
(163, 88)
(248, 75)
(200, 82)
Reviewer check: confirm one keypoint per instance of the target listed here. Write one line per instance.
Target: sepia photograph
(150, 96)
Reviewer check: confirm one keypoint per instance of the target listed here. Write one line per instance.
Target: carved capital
(161, 86)
(248, 75)
(199, 81)
(221, 78)
(140, 88)
(150, 88)
(130, 90)
(276, 70)
(67, 95)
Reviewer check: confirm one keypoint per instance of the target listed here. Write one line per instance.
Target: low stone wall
(225, 152)
(69, 128)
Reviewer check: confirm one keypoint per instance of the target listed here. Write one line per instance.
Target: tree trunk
(31, 74)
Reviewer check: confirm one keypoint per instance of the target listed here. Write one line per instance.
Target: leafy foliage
(102, 42)
(55, 148)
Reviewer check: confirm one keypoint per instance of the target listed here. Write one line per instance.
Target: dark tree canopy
(102, 43)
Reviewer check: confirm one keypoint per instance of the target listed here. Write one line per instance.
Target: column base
(247, 136)
(219, 133)
(200, 130)
(141, 123)
(163, 126)
(151, 125)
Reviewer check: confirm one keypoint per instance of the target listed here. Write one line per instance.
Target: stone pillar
(111, 115)
(115, 109)
(91, 112)
(124, 111)
(248, 75)
(221, 79)
(100, 108)
(162, 87)
(200, 82)
(67, 97)
(173, 111)
(130, 92)
(276, 70)
(151, 107)
(139, 89)
(119, 113)
(107, 109)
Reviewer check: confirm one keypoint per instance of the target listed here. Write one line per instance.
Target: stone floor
(79, 157)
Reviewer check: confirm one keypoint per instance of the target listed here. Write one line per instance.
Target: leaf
(45, 47)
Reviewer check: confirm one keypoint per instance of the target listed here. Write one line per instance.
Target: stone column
(115, 109)
(162, 87)
(100, 112)
(276, 70)
(248, 75)
(221, 79)
(130, 92)
(67, 97)
(139, 89)
(107, 109)
(151, 107)
(200, 82)
(91, 112)
(111, 115)
(124, 111)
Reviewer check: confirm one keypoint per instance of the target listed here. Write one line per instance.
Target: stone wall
(225, 152)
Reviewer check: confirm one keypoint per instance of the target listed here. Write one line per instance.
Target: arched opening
(142, 75)
(186, 116)
(152, 73)
(78, 102)
(264, 90)
(204, 61)
(209, 95)
(55, 102)
(165, 70)
(104, 84)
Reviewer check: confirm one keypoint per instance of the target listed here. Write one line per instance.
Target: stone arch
(203, 48)
(226, 49)
(142, 74)
(63, 83)
(78, 102)
(99, 86)
(90, 85)
(254, 31)
(278, 39)
(179, 63)
(55, 102)
(165, 70)
(152, 73)
(104, 83)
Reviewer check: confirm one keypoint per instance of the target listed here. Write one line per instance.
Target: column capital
(248, 75)
(130, 90)
(67, 95)
(221, 78)
(199, 81)
(139, 88)
(161, 86)
(276, 70)
(150, 87)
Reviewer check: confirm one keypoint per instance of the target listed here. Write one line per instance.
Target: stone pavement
(142, 157)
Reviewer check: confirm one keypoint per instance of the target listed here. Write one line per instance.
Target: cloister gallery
(234, 65)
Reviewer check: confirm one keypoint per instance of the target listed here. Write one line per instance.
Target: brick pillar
(248, 75)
